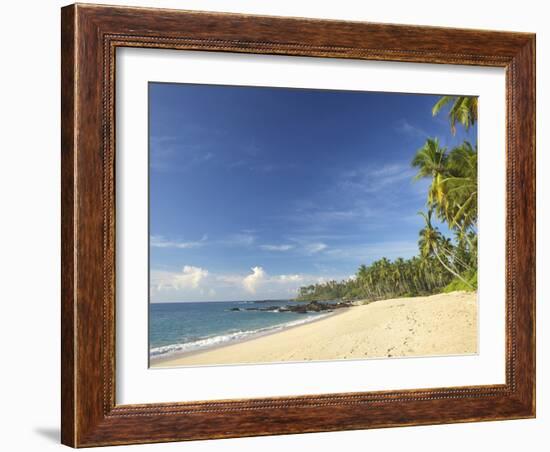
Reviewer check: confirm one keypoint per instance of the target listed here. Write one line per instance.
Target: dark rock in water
(315, 306)
(302, 308)
(268, 308)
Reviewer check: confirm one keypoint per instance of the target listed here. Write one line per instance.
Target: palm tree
(461, 187)
(463, 110)
(430, 241)
(431, 161)
(362, 272)
(453, 192)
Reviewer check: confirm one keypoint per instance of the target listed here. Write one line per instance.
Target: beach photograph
(295, 225)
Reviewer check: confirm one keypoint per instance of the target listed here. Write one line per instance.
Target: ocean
(176, 328)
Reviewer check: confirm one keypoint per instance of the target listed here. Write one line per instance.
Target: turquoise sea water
(184, 327)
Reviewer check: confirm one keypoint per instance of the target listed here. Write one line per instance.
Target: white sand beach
(443, 324)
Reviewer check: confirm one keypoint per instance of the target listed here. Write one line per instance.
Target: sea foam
(224, 339)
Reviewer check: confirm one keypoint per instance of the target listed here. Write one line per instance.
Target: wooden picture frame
(90, 36)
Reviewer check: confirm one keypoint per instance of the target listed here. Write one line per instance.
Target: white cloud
(252, 281)
(170, 153)
(314, 248)
(189, 278)
(284, 247)
(229, 279)
(407, 128)
(290, 278)
(376, 179)
(158, 241)
(198, 284)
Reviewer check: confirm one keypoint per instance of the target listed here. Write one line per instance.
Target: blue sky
(256, 191)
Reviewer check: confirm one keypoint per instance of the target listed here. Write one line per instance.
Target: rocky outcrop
(312, 306)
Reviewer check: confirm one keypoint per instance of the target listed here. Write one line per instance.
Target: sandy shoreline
(159, 362)
(443, 324)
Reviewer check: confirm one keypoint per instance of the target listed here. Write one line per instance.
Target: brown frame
(90, 35)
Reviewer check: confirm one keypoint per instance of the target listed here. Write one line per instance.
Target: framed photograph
(281, 225)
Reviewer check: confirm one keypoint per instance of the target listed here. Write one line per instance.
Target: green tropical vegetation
(463, 110)
(443, 264)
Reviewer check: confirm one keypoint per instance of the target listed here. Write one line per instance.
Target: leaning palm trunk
(464, 234)
(436, 252)
(449, 254)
